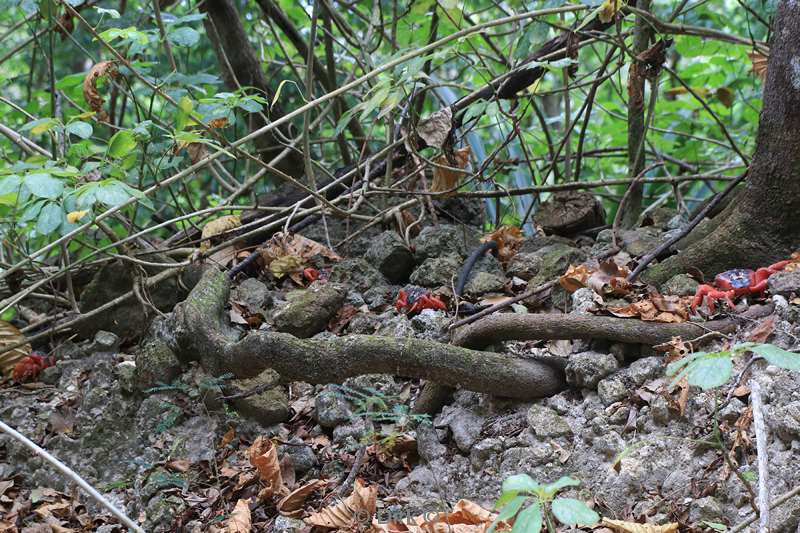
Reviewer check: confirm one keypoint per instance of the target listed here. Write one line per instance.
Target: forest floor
(156, 436)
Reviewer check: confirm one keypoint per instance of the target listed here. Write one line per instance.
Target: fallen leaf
(633, 527)
(674, 349)
(227, 438)
(217, 227)
(239, 521)
(435, 129)
(294, 501)
(9, 336)
(509, 239)
(359, 507)
(264, 456)
(179, 465)
(763, 330)
(90, 94)
(575, 277)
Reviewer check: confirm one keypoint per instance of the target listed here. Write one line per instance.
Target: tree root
(202, 332)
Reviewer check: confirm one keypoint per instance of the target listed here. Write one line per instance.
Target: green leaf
(551, 488)
(185, 107)
(529, 520)
(42, 125)
(183, 36)
(520, 483)
(778, 357)
(710, 371)
(714, 525)
(9, 198)
(249, 105)
(50, 218)
(121, 144)
(675, 366)
(44, 185)
(80, 128)
(113, 13)
(570, 511)
(112, 193)
(508, 511)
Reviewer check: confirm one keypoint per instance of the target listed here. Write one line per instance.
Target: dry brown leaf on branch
(264, 456)
(674, 349)
(759, 62)
(509, 239)
(292, 504)
(359, 507)
(9, 336)
(90, 93)
(445, 175)
(216, 227)
(287, 254)
(632, 527)
(435, 129)
(608, 10)
(239, 521)
(609, 278)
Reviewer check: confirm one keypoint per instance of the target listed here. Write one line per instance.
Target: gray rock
(785, 421)
(465, 425)
(253, 294)
(331, 408)
(545, 423)
(645, 369)
(105, 341)
(706, 509)
(681, 285)
(483, 451)
(428, 446)
(525, 265)
(524, 458)
(358, 274)
(309, 310)
(389, 254)
(303, 457)
(586, 369)
(284, 524)
(431, 324)
(556, 258)
(436, 271)
(126, 376)
(583, 301)
(445, 239)
(640, 241)
(614, 388)
(784, 283)
(268, 407)
(731, 412)
(487, 276)
(660, 411)
(352, 432)
(156, 364)
(51, 375)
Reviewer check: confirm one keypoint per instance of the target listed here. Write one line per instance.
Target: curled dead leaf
(240, 520)
(264, 456)
(9, 336)
(509, 239)
(216, 227)
(358, 508)
(435, 129)
(293, 502)
(447, 173)
(575, 277)
(90, 93)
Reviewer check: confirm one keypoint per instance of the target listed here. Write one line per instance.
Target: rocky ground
(155, 435)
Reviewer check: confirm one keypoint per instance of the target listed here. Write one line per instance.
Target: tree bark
(763, 225)
(240, 68)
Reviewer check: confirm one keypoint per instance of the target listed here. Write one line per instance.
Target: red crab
(30, 366)
(737, 282)
(416, 299)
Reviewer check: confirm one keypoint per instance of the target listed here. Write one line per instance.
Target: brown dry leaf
(216, 227)
(763, 330)
(726, 96)
(509, 239)
(293, 502)
(675, 91)
(445, 177)
(435, 129)
(239, 521)
(264, 456)
(195, 151)
(359, 505)
(575, 277)
(343, 317)
(759, 61)
(609, 278)
(227, 438)
(674, 349)
(632, 527)
(179, 465)
(494, 300)
(90, 94)
(466, 517)
(9, 335)
(218, 122)
(285, 265)
(287, 254)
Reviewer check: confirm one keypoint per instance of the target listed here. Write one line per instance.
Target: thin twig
(760, 428)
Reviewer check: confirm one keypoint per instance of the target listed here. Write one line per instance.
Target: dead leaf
(759, 62)
(218, 122)
(632, 527)
(343, 317)
(674, 349)
(179, 465)
(360, 506)
(9, 336)
(227, 438)
(575, 278)
(90, 94)
(74, 216)
(609, 278)
(294, 501)
(763, 330)
(726, 96)
(264, 456)
(445, 175)
(217, 227)
(239, 521)
(435, 129)
(509, 239)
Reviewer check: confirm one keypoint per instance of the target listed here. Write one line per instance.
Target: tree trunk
(763, 225)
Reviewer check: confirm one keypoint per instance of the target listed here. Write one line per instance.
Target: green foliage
(709, 370)
(531, 504)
